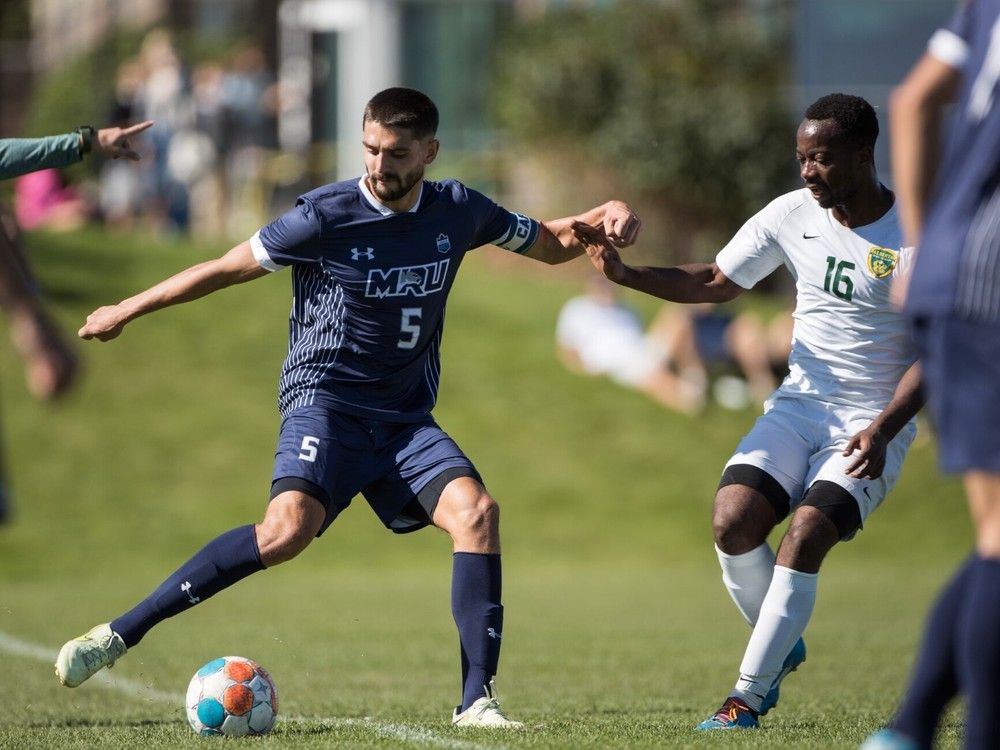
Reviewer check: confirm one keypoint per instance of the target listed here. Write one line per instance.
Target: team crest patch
(881, 261)
(443, 243)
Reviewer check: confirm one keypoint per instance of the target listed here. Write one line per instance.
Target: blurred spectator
(683, 352)
(736, 355)
(50, 365)
(208, 156)
(597, 334)
(43, 200)
(250, 97)
(164, 96)
(120, 186)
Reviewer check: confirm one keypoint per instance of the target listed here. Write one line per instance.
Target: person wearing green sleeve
(50, 364)
(22, 155)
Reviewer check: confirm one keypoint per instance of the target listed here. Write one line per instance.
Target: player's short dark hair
(855, 116)
(400, 107)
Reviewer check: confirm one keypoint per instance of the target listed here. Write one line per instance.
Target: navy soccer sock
(979, 655)
(219, 564)
(934, 681)
(475, 604)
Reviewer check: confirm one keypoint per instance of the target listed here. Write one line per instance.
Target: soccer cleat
(795, 658)
(734, 714)
(83, 657)
(888, 739)
(485, 712)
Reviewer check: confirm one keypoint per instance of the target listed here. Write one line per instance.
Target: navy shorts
(961, 371)
(400, 468)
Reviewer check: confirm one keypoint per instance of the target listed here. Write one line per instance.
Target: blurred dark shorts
(401, 469)
(710, 337)
(961, 372)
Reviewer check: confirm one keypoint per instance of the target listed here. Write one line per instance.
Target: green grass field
(618, 630)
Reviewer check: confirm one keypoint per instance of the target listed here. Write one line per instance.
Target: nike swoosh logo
(809, 236)
(865, 490)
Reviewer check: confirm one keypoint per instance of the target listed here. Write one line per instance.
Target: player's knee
(288, 528)
(280, 542)
(810, 536)
(741, 519)
(480, 515)
(726, 531)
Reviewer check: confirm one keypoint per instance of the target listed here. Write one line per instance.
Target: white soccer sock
(747, 578)
(782, 620)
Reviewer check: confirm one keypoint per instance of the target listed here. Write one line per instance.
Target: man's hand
(114, 142)
(601, 252)
(621, 225)
(105, 323)
(870, 462)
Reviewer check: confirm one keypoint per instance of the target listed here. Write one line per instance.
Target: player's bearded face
(388, 185)
(395, 160)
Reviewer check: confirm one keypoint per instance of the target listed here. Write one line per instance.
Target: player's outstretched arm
(235, 267)
(557, 241)
(873, 441)
(695, 282)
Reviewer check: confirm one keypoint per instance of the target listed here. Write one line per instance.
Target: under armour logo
(368, 253)
(186, 588)
(493, 634)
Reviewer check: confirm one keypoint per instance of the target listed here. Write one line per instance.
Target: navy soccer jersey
(958, 267)
(370, 287)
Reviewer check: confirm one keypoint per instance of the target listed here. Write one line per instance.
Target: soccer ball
(231, 696)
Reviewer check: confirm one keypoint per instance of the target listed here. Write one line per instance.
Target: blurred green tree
(685, 101)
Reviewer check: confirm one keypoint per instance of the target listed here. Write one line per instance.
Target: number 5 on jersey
(409, 325)
(309, 448)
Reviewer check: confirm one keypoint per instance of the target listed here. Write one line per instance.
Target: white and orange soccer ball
(231, 696)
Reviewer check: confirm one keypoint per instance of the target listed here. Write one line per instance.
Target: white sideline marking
(105, 679)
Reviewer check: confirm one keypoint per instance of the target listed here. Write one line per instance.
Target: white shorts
(799, 441)
(639, 359)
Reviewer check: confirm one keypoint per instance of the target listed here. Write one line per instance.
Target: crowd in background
(204, 162)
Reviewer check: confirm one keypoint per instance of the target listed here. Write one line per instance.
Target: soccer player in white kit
(832, 438)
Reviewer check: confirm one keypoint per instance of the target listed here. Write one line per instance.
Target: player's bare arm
(694, 282)
(916, 137)
(872, 442)
(558, 242)
(917, 108)
(235, 267)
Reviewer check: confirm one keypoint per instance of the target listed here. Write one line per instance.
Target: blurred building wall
(334, 54)
(864, 48)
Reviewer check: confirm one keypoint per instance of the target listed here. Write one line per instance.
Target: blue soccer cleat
(888, 739)
(734, 714)
(795, 657)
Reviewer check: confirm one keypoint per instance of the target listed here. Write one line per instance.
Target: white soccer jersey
(849, 346)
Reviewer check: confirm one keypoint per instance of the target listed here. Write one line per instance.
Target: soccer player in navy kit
(954, 299)
(373, 261)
